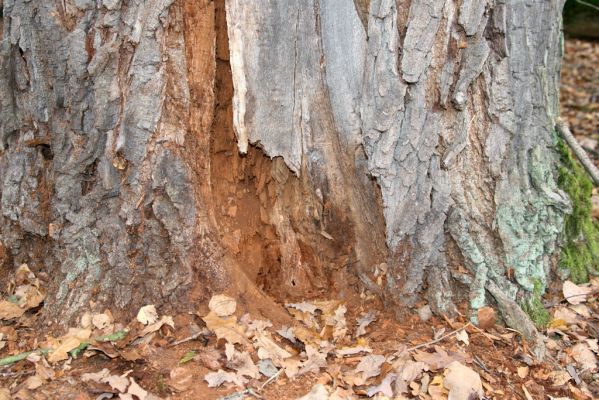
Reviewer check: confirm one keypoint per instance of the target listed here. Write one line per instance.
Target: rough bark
(414, 133)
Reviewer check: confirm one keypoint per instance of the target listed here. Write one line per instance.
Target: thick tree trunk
(346, 137)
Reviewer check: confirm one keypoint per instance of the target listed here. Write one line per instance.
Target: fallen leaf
(575, 294)
(384, 387)
(215, 379)
(267, 368)
(523, 372)
(439, 359)
(10, 310)
(407, 371)
(222, 305)
(581, 309)
(136, 390)
(462, 336)
(241, 362)
(117, 382)
(187, 357)
(350, 351)
(316, 360)
(559, 378)
(34, 382)
(303, 307)
(95, 376)
(153, 327)
(584, 356)
(436, 389)
(147, 314)
(462, 382)
(370, 366)
(342, 394)
(102, 321)
(4, 394)
(226, 328)
(181, 378)
(287, 333)
(69, 342)
(268, 348)
(318, 392)
(210, 359)
(364, 321)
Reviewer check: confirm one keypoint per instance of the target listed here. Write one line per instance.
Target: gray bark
(108, 130)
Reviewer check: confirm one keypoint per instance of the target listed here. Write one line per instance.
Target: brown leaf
(575, 294)
(147, 314)
(226, 328)
(439, 359)
(215, 379)
(241, 362)
(222, 305)
(10, 310)
(462, 382)
(370, 366)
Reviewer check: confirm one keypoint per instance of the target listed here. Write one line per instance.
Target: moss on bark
(533, 306)
(580, 249)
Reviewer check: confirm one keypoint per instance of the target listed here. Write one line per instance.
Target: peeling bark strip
(476, 172)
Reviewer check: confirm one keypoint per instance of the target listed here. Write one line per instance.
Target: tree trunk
(162, 150)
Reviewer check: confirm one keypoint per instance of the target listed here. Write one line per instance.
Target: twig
(588, 4)
(272, 378)
(187, 339)
(578, 151)
(440, 339)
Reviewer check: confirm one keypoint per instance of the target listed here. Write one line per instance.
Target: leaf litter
(327, 352)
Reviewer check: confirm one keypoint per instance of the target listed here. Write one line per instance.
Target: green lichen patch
(580, 249)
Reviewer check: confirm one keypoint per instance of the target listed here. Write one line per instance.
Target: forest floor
(326, 349)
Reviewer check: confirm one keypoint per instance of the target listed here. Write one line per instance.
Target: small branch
(272, 378)
(584, 3)
(187, 339)
(564, 131)
(440, 339)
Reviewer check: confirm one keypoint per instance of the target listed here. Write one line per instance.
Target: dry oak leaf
(575, 294)
(439, 359)
(463, 382)
(268, 348)
(370, 366)
(222, 305)
(316, 360)
(147, 314)
(68, 342)
(153, 327)
(10, 310)
(215, 379)
(384, 387)
(226, 328)
(584, 356)
(241, 362)
(364, 321)
(4, 394)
